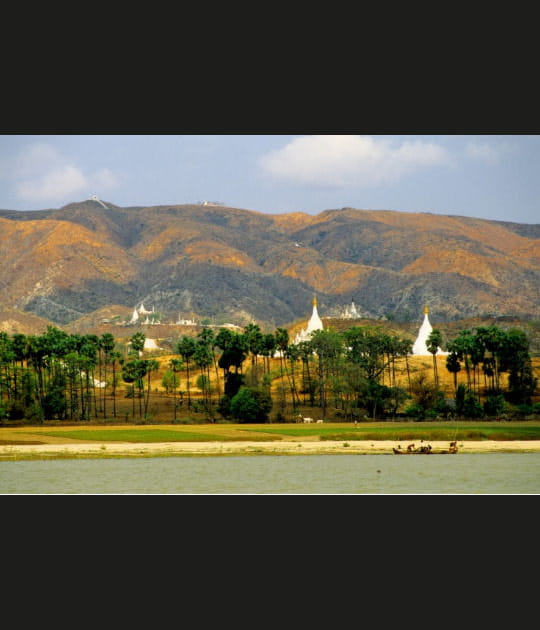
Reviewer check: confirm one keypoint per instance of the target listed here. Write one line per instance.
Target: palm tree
(176, 366)
(203, 359)
(328, 347)
(293, 354)
(186, 349)
(463, 347)
(107, 345)
(255, 340)
(282, 341)
(114, 356)
(305, 350)
(269, 347)
(151, 365)
(433, 343)
(133, 373)
(453, 364)
(137, 343)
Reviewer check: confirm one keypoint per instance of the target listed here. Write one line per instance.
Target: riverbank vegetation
(359, 375)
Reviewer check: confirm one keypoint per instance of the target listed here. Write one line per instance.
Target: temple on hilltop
(314, 323)
(350, 312)
(420, 345)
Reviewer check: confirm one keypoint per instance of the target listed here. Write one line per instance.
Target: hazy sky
(485, 176)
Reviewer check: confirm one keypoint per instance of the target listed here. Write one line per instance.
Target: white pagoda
(350, 312)
(420, 345)
(314, 323)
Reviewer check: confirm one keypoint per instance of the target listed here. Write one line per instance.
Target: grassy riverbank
(51, 433)
(53, 440)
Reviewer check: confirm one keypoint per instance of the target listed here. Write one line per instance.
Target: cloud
(350, 160)
(485, 152)
(55, 185)
(42, 174)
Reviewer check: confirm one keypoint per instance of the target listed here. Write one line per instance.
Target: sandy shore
(358, 447)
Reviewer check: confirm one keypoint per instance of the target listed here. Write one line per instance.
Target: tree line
(350, 375)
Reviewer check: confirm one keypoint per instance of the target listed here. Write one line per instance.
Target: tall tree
(433, 344)
(175, 365)
(151, 365)
(185, 347)
(255, 341)
(115, 357)
(137, 343)
(269, 348)
(453, 365)
(203, 359)
(514, 358)
(327, 346)
(107, 344)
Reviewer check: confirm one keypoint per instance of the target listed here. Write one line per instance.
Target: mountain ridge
(217, 261)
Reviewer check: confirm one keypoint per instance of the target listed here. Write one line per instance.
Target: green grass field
(268, 432)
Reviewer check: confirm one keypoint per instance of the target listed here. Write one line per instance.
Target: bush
(495, 405)
(525, 409)
(224, 406)
(472, 408)
(467, 404)
(415, 411)
(251, 405)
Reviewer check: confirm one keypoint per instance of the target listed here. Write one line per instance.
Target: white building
(314, 323)
(185, 322)
(420, 345)
(350, 312)
(137, 312)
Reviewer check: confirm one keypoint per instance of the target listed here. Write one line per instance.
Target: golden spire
(426, 310)
(314, 300)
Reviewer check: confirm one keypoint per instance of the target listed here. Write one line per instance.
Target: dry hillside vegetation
(216, 261)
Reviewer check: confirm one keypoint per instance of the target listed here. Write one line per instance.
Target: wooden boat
(426, 450)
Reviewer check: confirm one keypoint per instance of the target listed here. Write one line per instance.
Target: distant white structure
(420, 345)
(138, 312)
(96, 198)
(211, 203)
(150, 344)
(350, 312)
(314, 323)
(142, 311)
(185, 322)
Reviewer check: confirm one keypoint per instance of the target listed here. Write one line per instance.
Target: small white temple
(420, 345)
(314, 323)
(350, 312)
(137, 312)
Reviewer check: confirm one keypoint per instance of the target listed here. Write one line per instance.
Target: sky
(484, 176)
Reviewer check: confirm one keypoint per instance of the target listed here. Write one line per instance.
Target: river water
(467, 473)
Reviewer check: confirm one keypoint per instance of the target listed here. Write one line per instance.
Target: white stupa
(314, 323)
(350, 312)
(420, 345)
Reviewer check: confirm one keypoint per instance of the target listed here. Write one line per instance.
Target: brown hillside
(216, 261)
